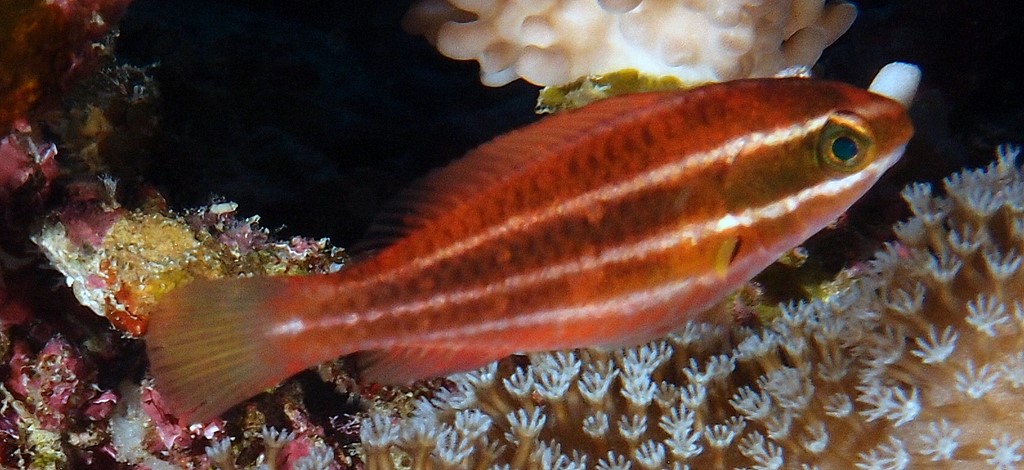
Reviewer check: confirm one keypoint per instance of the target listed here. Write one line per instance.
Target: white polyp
(899, 81)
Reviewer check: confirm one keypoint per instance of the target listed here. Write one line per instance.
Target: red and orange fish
(604, 226)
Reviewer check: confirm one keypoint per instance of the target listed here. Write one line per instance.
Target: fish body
(605, 226)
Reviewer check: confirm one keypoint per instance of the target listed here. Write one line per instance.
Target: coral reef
(107, 122)
(916, 359)
(70, 390)
(70, 385)
(56, 404)
(556, 41)
(43, 44)
(118, 262)
(142, 434)
(59, 412)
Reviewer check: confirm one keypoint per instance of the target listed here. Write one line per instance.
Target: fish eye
(844, 148)
(845, 143)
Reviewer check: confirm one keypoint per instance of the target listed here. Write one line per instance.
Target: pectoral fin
(725, 255)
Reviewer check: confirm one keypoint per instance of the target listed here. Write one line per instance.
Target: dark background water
(312, 113)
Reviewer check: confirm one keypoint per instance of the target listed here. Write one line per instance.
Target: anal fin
(405, 364)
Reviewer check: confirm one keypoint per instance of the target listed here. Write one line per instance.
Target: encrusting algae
(118, 262)
(602, 226)
(917, 361)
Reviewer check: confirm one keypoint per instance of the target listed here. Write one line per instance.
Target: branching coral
(553, 42)
(919, 360)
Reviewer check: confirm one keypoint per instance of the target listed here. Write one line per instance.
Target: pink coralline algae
(54, 412)
(27, 170)
(88, 213)
(171, 433)
(56, 383)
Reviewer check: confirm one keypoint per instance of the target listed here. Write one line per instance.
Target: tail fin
(207, 345)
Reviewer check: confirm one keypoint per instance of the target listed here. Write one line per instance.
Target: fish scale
(600, 227)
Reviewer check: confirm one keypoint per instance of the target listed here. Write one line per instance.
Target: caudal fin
(207, 347)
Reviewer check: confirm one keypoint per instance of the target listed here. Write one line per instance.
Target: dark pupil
(844, 148)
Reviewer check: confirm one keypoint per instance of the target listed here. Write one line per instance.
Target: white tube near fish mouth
(898, 81)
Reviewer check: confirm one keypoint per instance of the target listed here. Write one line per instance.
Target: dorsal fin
(510, 153)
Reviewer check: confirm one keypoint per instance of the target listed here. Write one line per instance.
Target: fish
(604, 226)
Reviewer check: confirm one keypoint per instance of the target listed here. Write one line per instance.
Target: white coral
(890, 456)
(976, 383)
(937, 347)
(551, 42)
(1003, 453)
(940, 441)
